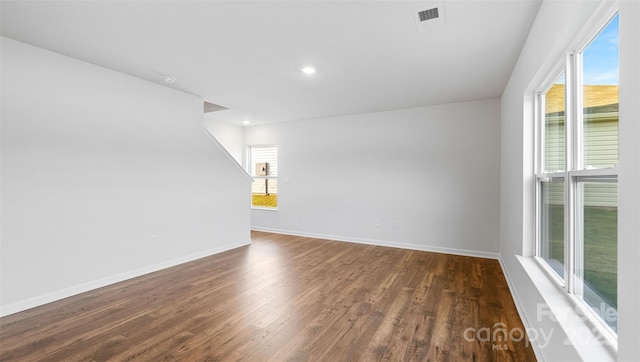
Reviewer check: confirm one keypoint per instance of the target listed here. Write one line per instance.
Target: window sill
(264, 208)
(561, 310)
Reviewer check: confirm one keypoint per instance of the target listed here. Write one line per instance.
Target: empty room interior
(320, 180)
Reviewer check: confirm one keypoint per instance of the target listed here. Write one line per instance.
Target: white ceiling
(247, 56)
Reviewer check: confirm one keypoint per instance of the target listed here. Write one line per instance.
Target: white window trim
(573, 166)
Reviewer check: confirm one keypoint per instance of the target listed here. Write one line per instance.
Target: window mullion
(576, 215)
(578, 124)
(571, 110)
(539, 110)
(578, 236)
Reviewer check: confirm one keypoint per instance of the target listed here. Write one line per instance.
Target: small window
(554, 127)
(262, 163)
(599, 101)
(552, 208)
(596, 247)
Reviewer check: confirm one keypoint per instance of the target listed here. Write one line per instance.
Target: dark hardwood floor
(285, 298)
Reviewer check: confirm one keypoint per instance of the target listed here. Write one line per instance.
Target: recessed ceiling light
(308, 70)
(246, 122)
(169, 79)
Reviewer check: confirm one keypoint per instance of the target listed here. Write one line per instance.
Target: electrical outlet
(154, 239)
(378, 222)
(395, 224)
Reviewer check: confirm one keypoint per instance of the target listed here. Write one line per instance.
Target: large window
(577, 175)
(262, 164)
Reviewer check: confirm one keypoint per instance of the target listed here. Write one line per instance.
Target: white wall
(95, 163)
(230, 136)
(433, 169)
(556, 26)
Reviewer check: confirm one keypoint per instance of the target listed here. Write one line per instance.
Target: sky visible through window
(600, 58)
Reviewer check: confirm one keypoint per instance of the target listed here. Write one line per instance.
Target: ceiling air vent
(429, 18)
(428, 14)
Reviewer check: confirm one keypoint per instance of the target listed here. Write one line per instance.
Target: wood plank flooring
(284, 298)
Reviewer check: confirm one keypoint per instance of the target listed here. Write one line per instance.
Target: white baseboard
(391, 244)
(88, 286)
(521, 311)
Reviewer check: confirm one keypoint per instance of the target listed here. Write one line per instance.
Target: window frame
(574, 171)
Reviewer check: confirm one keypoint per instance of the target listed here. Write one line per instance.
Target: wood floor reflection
(284, 298)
